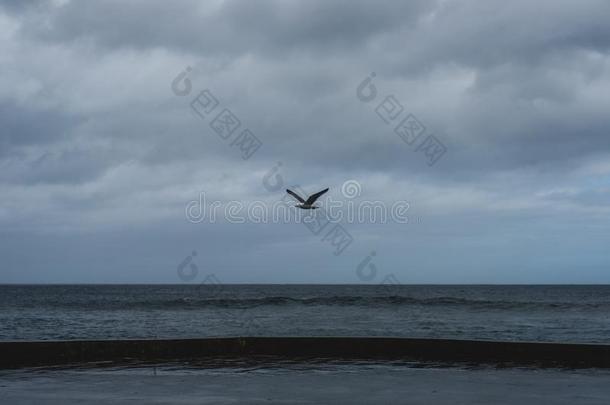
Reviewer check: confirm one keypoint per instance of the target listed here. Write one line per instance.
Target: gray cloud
(94, 142)
(23, 126)
(230, 27)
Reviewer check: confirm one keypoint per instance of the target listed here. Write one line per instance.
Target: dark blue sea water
(523, 313)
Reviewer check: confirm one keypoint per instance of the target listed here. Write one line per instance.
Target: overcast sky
(101, 151)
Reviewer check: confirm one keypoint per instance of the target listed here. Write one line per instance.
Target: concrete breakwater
(15, 354)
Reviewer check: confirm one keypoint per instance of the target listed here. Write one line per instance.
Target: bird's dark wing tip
(312, 198)
(295, 195)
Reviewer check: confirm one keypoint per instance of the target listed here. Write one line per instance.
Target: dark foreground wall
(39, 353)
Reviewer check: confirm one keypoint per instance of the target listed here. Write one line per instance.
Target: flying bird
(307, 204)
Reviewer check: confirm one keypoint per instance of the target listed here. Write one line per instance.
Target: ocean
(576, 313)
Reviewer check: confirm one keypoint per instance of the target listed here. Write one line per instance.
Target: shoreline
(353, 384)
(18, 354)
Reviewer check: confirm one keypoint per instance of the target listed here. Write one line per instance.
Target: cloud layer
(99, 157)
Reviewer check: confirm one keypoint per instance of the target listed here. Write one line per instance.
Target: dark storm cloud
(229, 27)
(528, 65)
(518, 53)
(68, 167)
(483, 34)
(18, 6)
(23, 125)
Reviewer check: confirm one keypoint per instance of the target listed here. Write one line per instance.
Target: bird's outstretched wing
(295, 195)
(312, 198)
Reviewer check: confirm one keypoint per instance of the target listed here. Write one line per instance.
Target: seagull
(307, 205)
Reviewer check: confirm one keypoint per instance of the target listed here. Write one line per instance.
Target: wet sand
(353, 383)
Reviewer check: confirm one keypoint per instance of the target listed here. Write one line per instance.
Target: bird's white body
(306, 207)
